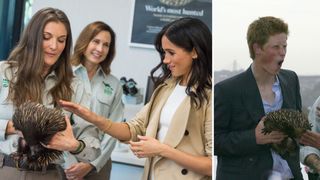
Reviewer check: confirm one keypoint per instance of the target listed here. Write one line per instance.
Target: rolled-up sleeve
(137, 124)
(107, 145)
(83, 130)
(89, 135)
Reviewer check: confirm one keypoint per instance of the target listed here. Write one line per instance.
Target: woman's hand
(76, 109)
(147, 147)
(64, 140)
(78, 170)
(10, 128)
(150, 147)
(99, 121)
(310, 138)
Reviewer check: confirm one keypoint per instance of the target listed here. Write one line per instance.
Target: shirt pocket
(104, 103)
(105, 96)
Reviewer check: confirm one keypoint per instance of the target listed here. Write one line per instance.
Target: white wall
(131, 62)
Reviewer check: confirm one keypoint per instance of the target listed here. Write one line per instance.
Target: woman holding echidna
(38, 70)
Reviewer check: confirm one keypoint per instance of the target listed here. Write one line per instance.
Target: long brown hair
(87, 34)
(26, 58)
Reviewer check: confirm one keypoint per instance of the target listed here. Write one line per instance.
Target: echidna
(292, 123)
(37, 124)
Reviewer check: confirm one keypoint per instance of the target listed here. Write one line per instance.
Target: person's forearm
(199, 164)
(117, 130)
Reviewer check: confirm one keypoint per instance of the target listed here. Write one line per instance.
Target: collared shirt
(314, 119)
(82, 129)
(106, 100)
(279, 164)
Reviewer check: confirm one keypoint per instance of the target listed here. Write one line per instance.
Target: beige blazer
(190, 131)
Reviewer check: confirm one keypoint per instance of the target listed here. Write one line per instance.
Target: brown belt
(9, 162)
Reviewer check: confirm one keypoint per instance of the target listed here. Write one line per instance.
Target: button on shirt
(279, 164)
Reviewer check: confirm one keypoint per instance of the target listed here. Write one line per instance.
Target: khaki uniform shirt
(82, 129)
(105, 100)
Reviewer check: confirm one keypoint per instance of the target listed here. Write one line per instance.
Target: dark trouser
(9, 171)
(103, 174)
(313, 176)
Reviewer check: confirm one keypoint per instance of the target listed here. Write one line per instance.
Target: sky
(231, 19)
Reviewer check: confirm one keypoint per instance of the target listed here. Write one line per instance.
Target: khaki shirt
(82, 129)
(105, 100)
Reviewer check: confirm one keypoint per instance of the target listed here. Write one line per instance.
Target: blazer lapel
(251, 97)
(177, 126)
(285, 87)
(156, 107)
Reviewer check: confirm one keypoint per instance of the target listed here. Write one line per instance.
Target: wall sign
(149, 16)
